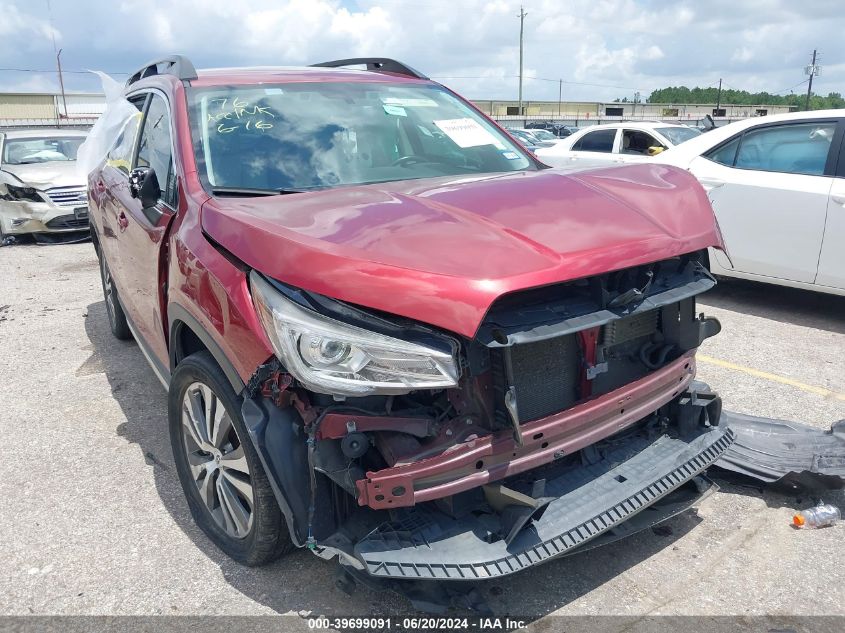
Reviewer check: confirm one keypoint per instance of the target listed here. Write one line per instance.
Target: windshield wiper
(246, 191)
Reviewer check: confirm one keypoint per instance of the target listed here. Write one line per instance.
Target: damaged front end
(571, 411)
(51, 212)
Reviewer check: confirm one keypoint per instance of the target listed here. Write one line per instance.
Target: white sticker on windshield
(395, 110)
(468, 133)
(510, 155)
(409, 103)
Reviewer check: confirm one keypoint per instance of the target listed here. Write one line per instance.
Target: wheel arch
(187, 336)
(272, 431)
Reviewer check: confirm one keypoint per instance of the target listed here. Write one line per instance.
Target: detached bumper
(589, 502)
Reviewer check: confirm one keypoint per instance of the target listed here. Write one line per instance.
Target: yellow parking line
(821, 391)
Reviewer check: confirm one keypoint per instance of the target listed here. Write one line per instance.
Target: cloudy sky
(601, 49)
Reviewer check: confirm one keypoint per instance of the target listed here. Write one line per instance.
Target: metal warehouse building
(25, 109)
(596, 112)
(78, 109)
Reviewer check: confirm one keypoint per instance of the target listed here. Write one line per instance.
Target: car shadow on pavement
(788, 305)
(301, 583)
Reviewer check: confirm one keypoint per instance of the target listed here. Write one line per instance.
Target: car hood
(442, 250)
(58, 173)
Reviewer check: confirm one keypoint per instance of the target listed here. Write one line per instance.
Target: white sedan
(777, 185)
(606, 145)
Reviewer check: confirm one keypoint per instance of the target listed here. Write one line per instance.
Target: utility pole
(719, 95)
(559, 95)
(58, 64)
(521, 16)
(813, 70)
(61, 80)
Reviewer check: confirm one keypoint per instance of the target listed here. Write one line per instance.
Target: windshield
(23, 151)
(523, 136)
(544, 135)
(313, 135)
(678, 135)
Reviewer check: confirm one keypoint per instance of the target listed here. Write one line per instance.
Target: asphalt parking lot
(94, 522)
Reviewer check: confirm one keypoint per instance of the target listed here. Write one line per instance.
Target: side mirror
(654, 150)
(143, 184)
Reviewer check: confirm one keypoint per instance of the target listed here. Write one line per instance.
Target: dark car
(528, 140)
(392, 336)
(558, 129)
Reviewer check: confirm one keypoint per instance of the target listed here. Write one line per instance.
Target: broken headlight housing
(329, 356)
(14, 192)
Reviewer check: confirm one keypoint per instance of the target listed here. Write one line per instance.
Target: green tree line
(682, 94)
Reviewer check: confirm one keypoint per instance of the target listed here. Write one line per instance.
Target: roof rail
(177, 65)
(377, 64)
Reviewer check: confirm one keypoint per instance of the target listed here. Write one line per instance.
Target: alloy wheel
(217, 461)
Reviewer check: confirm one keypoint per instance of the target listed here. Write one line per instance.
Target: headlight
(328, 356)
(22, 193)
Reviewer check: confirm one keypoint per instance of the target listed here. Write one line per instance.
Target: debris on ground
(785, 454)
(823, 515)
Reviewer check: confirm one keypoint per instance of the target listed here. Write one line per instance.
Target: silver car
(40, 190)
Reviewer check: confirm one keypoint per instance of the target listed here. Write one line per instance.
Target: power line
(800, 83)
(50, 72)
(571, 83)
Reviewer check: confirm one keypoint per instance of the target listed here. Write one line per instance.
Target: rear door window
(597, 141)
(725, 154)
(795, 149)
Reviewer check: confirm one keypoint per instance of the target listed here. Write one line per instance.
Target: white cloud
(619, 46)
(742, 54)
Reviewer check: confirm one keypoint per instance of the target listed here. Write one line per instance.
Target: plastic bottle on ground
(820, 516)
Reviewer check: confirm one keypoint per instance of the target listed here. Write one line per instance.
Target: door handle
(122, 220)
(838, 199)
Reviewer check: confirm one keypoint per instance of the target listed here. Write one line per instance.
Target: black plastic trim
(570, 521)
(280, 443)
(779, 450)
(177, 65)
(581, 315)
(179, 317)
(375, 64)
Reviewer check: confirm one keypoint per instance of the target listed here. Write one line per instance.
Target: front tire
(226, 487)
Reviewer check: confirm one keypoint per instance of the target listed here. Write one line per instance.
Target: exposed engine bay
(533, 391)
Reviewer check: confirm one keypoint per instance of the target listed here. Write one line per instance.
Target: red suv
(389, 334)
